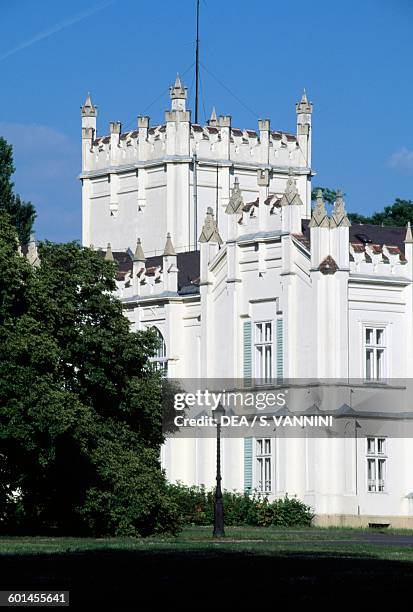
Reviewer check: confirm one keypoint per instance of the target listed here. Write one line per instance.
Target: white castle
(217, 247)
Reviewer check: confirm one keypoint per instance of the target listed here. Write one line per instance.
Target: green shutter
(248, 465)
(247, 352)
(280, 348)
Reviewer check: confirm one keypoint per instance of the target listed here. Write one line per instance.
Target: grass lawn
(286, 565)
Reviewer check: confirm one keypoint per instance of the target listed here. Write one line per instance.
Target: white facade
(142, 182)
(270, 294)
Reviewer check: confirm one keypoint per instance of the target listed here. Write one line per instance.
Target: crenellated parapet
(218, 138)
(359, 249)
(209, 142)
(168, 275)
(130, 175)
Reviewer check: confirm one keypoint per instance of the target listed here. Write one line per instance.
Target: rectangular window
(374, 353)
(263, 351)
(376, 464)
(263, 465)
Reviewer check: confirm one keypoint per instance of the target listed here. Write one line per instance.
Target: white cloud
(402, 160)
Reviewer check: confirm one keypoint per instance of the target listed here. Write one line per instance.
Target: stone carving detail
(263, 177)
(328, 266)
(209, 231)
(32, 255)
(409, 238)
(319, 217)
(291, 195)
(169, 250)
(236, 202)
(304, 106)
(139, 254)
(339, 216)
(109, 254)
(88, 110)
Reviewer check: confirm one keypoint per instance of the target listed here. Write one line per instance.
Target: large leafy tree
(399, 213)
(22, 214)
(80, 403)
(329, 195)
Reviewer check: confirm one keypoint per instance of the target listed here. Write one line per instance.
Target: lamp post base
(219, 503)
(219, 531)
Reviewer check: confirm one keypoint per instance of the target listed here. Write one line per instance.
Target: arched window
(160, 359)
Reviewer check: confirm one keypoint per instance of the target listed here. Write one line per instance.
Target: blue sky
(354, 58)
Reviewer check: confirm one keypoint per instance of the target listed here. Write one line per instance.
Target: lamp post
(218, 502)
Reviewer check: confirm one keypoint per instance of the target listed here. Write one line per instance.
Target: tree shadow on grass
(197, 579)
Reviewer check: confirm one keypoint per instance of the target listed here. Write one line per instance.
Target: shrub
(132, 497)
(196, 507)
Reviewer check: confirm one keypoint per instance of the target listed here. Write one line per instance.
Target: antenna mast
(197, 62)
(195, 161)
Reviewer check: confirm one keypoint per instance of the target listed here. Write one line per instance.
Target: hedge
(196, 507)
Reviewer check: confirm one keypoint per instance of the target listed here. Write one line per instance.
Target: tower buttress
(88, 113)
(264, 129)
(178, 121)
(304, 110)
(138, 266)
(408, 250)
(143, 129)
(178, 95)
(169, 266)
(224, 123)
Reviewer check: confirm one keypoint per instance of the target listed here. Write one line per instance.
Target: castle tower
(89, 113)
(178, 138)
(304, 110)
(163, 177)
(179, 95)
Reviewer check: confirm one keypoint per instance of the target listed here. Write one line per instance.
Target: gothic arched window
(160, 359)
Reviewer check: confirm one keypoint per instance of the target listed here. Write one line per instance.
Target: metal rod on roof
(216, 196)
(195, 161)
(197, 62)
(195, 187)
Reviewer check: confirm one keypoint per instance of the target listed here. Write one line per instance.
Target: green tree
(22, 214)
(398, 213)
(329, 195)
(80, 402)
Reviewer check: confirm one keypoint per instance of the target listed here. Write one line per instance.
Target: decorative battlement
(245, 145)
(141, 180)
(358, 249)
(168, 274)
(216, 139)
